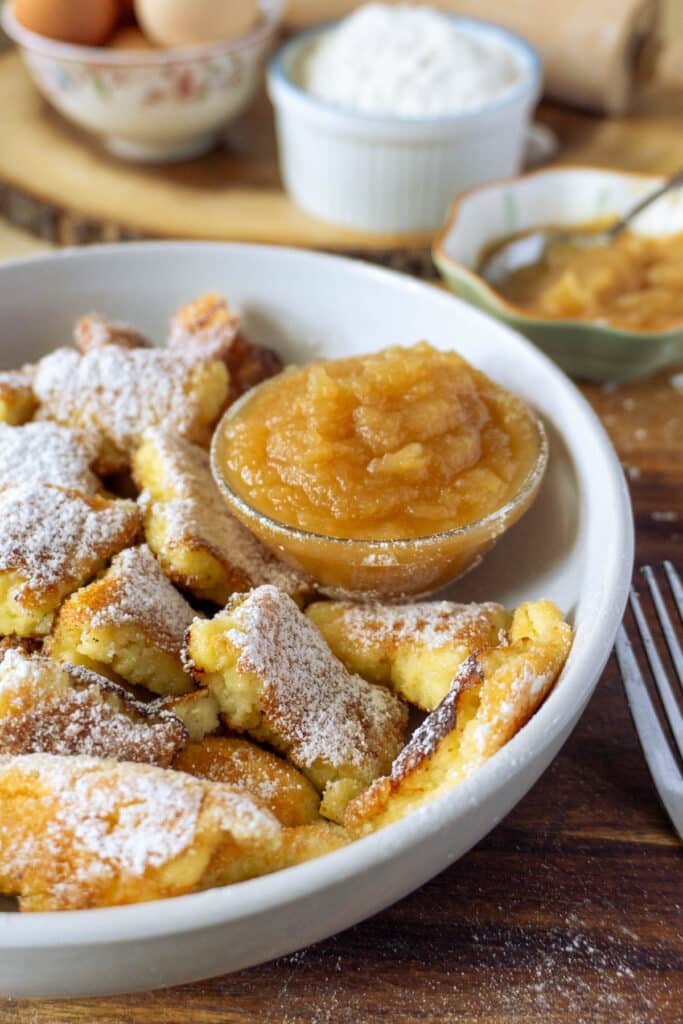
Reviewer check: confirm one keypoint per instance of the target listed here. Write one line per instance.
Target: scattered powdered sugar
(46, 453)
(52, 536)
(481, 734)
(121, 392)
(451, 952)
(197, 515)
(48, 708)
(528, 680)
(309, 698)
(140, 595)
(431, 624)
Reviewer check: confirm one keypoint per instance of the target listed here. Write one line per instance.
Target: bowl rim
(280, 81)
(527, 487)
(103, 56)
(613, 546)
(448, 265)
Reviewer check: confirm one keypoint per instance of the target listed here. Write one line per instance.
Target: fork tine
(667, 625)
(661, 762)
(660, 674)
(676, 586)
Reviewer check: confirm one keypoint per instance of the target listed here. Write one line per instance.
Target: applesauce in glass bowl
(387, 475)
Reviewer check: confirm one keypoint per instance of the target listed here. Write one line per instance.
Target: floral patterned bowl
(155, 106)
(560, 196)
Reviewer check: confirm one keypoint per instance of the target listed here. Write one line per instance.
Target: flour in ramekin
(407, 61)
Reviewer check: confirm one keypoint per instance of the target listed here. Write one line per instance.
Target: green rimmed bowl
(561, 196)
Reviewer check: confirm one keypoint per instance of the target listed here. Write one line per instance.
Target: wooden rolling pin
(590, 48)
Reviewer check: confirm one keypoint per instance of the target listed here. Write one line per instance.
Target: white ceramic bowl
(155, 106)
(566, 548)
(395, 174)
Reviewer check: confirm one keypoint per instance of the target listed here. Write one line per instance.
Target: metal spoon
(531, 248)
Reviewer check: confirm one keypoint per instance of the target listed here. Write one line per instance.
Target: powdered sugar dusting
(46, 453)
(52, 536)
(197, 515)
(100, 825)
(431, 624)
(140, 595)
(118, 818)
(327, 714)
(48, 708)
(121, 392)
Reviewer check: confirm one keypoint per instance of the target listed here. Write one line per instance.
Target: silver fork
(663, 754)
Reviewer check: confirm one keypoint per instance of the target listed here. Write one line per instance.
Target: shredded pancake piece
(119, 393)
(53, 540)
(299, 843)
(79, 832)
(131, 621)
(275, 678)
(267, 778)
(46, 453)
(96, 331)
(207, 325)
(17, 400)
(197, 710)
(199, 544)
(53, 709)
(491, 697)
(414, 648)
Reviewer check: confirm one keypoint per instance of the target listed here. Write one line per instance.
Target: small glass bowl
(380, 569)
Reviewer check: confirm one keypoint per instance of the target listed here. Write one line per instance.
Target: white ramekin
(156, 106)
(395, 174)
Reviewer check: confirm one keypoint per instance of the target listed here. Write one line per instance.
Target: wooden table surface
(572, 909)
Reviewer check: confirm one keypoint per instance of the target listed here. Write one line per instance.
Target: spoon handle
(623, 222)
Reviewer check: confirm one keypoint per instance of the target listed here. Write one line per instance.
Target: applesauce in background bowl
(386, 475)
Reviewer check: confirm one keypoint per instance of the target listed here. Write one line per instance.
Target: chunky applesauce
(404, 443)
(634, 282)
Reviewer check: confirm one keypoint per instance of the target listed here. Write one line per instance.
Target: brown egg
(129, 37)
(180, 23)
(86, 23)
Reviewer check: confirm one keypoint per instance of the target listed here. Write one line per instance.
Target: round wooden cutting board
(59, 183)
